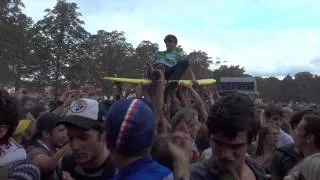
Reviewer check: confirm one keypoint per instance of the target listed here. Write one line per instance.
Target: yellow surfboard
(202, 82)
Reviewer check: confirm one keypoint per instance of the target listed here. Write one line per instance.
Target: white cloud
(282, 51)
(35, 8)
(263, 51)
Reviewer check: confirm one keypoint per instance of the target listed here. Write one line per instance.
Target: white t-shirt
(284, 139)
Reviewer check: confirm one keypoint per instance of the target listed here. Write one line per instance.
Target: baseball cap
(171, 37)
(85, 113)
(130, 125)
(47, 122)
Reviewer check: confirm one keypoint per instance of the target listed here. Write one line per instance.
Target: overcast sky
(267, 37)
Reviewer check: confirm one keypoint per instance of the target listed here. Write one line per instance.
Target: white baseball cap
(85, 113)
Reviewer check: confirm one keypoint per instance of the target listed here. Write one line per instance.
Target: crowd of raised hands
(197, 133)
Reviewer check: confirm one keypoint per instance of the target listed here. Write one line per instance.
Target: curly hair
(187, 113)
(9, 113)
(232, 114)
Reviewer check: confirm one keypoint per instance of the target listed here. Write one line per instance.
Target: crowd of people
(162, 131)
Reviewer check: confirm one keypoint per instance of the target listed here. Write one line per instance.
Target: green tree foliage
(200, 64)
(14, 42)
(229, 71)
(57, 49)
(62, 33)
(145, 52)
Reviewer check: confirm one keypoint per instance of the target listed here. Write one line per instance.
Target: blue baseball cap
(130, 125)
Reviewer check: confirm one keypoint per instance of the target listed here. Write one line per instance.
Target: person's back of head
(130, 127)
(130, 132)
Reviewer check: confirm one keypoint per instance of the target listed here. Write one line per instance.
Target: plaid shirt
(209, 169)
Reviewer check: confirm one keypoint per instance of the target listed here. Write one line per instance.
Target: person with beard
(49, 144)
(232, 125)
(14, 163)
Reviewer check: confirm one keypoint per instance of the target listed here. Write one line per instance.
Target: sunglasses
(170, 41)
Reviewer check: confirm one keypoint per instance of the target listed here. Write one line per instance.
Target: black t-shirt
(283, 160)
(106, 171)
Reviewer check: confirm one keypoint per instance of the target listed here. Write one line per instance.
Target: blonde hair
(187, 113)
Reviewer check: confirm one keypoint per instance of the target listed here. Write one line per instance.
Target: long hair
(262, 137)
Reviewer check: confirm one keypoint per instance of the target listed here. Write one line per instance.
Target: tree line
(57, 49)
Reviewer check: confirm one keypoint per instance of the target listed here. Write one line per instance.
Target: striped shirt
(23, 170)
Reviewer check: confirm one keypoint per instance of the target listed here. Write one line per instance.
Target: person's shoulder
(289, 148)
(33, 151)
(285, 135)
(201, 164)
(24, 170)
(286, 147)
(169, 177)
(160, 53)
(66, 163)
(110, 166)
(287, 151)
(178, 53)
(199, 170)
(284, 139)
(258, 170)
(160, 168)
(206, 154)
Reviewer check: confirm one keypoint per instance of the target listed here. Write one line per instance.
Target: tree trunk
(57, 74)
(17, 83)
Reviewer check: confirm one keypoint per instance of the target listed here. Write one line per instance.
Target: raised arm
(159, 95)
(201, 106)
(185, 102)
